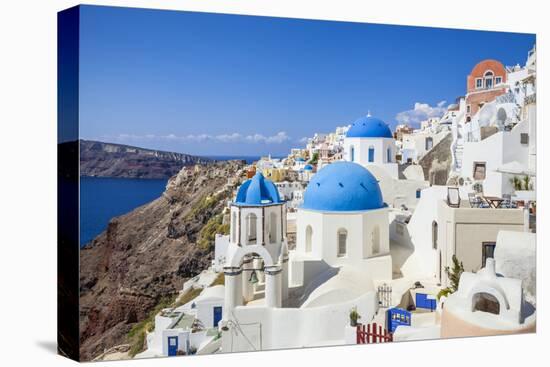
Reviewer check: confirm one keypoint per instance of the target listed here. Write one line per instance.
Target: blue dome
(343, 187)
(369, 127)
(257, 191)
(308, 167)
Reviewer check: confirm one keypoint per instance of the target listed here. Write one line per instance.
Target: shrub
(454, 277)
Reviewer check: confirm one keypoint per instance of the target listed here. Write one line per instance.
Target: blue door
(424, 301)
(172, 346)
(371, 154)
(217, 315)
(396, 317)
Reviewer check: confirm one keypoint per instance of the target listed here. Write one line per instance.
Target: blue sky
(213, 84)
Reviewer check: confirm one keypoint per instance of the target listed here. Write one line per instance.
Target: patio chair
(453, 197)
(477, 202)
(508, 203)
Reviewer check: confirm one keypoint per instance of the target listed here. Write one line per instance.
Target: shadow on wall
(316, 273)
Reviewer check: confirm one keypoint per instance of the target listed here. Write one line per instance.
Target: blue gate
(217, 315)
(425, 301)
(172, 346)
(396, 317)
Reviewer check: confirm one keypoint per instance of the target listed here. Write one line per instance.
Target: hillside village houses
(359, 230)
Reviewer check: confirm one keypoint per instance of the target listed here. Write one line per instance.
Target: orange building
(486, 81)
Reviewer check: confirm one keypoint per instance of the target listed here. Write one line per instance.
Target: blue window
(389, 155)
(217, 315)
(371, 154)
(418, 193)
(352, 154)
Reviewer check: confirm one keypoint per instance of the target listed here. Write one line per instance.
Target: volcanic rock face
(437, 162)
(98, 159)
(147, 254)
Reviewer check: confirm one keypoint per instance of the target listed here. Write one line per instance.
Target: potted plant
(354, 316)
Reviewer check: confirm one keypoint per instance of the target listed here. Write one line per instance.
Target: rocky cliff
(437, 162)
(100, 159)
(147, 254)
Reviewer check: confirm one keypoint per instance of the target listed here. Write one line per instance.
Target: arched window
(485, 302)
(234, 227)
(251, 230)
(352, 153)
(342, 242)
(376, 240)
(371, 154)
(272, 228)
(388, 155)
(309, 235)
(434, 235)
(488, 77)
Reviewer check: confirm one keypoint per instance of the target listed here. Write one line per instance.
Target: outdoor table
(493, 201)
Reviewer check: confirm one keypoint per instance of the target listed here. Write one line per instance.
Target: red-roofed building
(486, 81)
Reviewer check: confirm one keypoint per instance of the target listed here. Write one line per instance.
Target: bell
(253, 277)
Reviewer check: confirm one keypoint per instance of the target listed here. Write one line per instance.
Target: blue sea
(104, 198)
(248, 158)
(101, 199)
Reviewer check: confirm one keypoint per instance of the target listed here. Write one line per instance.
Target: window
(352, 154)
(524, 138)
(272, 228)
(251, 222)
(418, 193)
(371, 154)
(498, 80)
(342, 239)
(468, 108)
(376, 241)
(434, 235)
(479, 171)
(488, 252)
(388, 155)
(234, 226)
(429, 143)
(488, 80)
(479, 83)
(309, 235)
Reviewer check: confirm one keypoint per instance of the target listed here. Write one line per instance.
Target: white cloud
(421, 112)
(278, 138)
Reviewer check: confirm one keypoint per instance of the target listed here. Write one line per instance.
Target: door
(172, 346)
(217, 315)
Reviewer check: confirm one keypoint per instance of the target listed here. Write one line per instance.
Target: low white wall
(278, 328)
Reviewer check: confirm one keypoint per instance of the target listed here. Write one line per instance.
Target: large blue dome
(343, 187)
(257, 191)
(369, 127)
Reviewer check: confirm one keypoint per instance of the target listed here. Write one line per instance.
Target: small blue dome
(308, 167)
(369, 127)
(300, 159)
(343, 187)
(257, 191)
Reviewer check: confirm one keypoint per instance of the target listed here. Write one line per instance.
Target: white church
(369, 142)
(275, 297)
